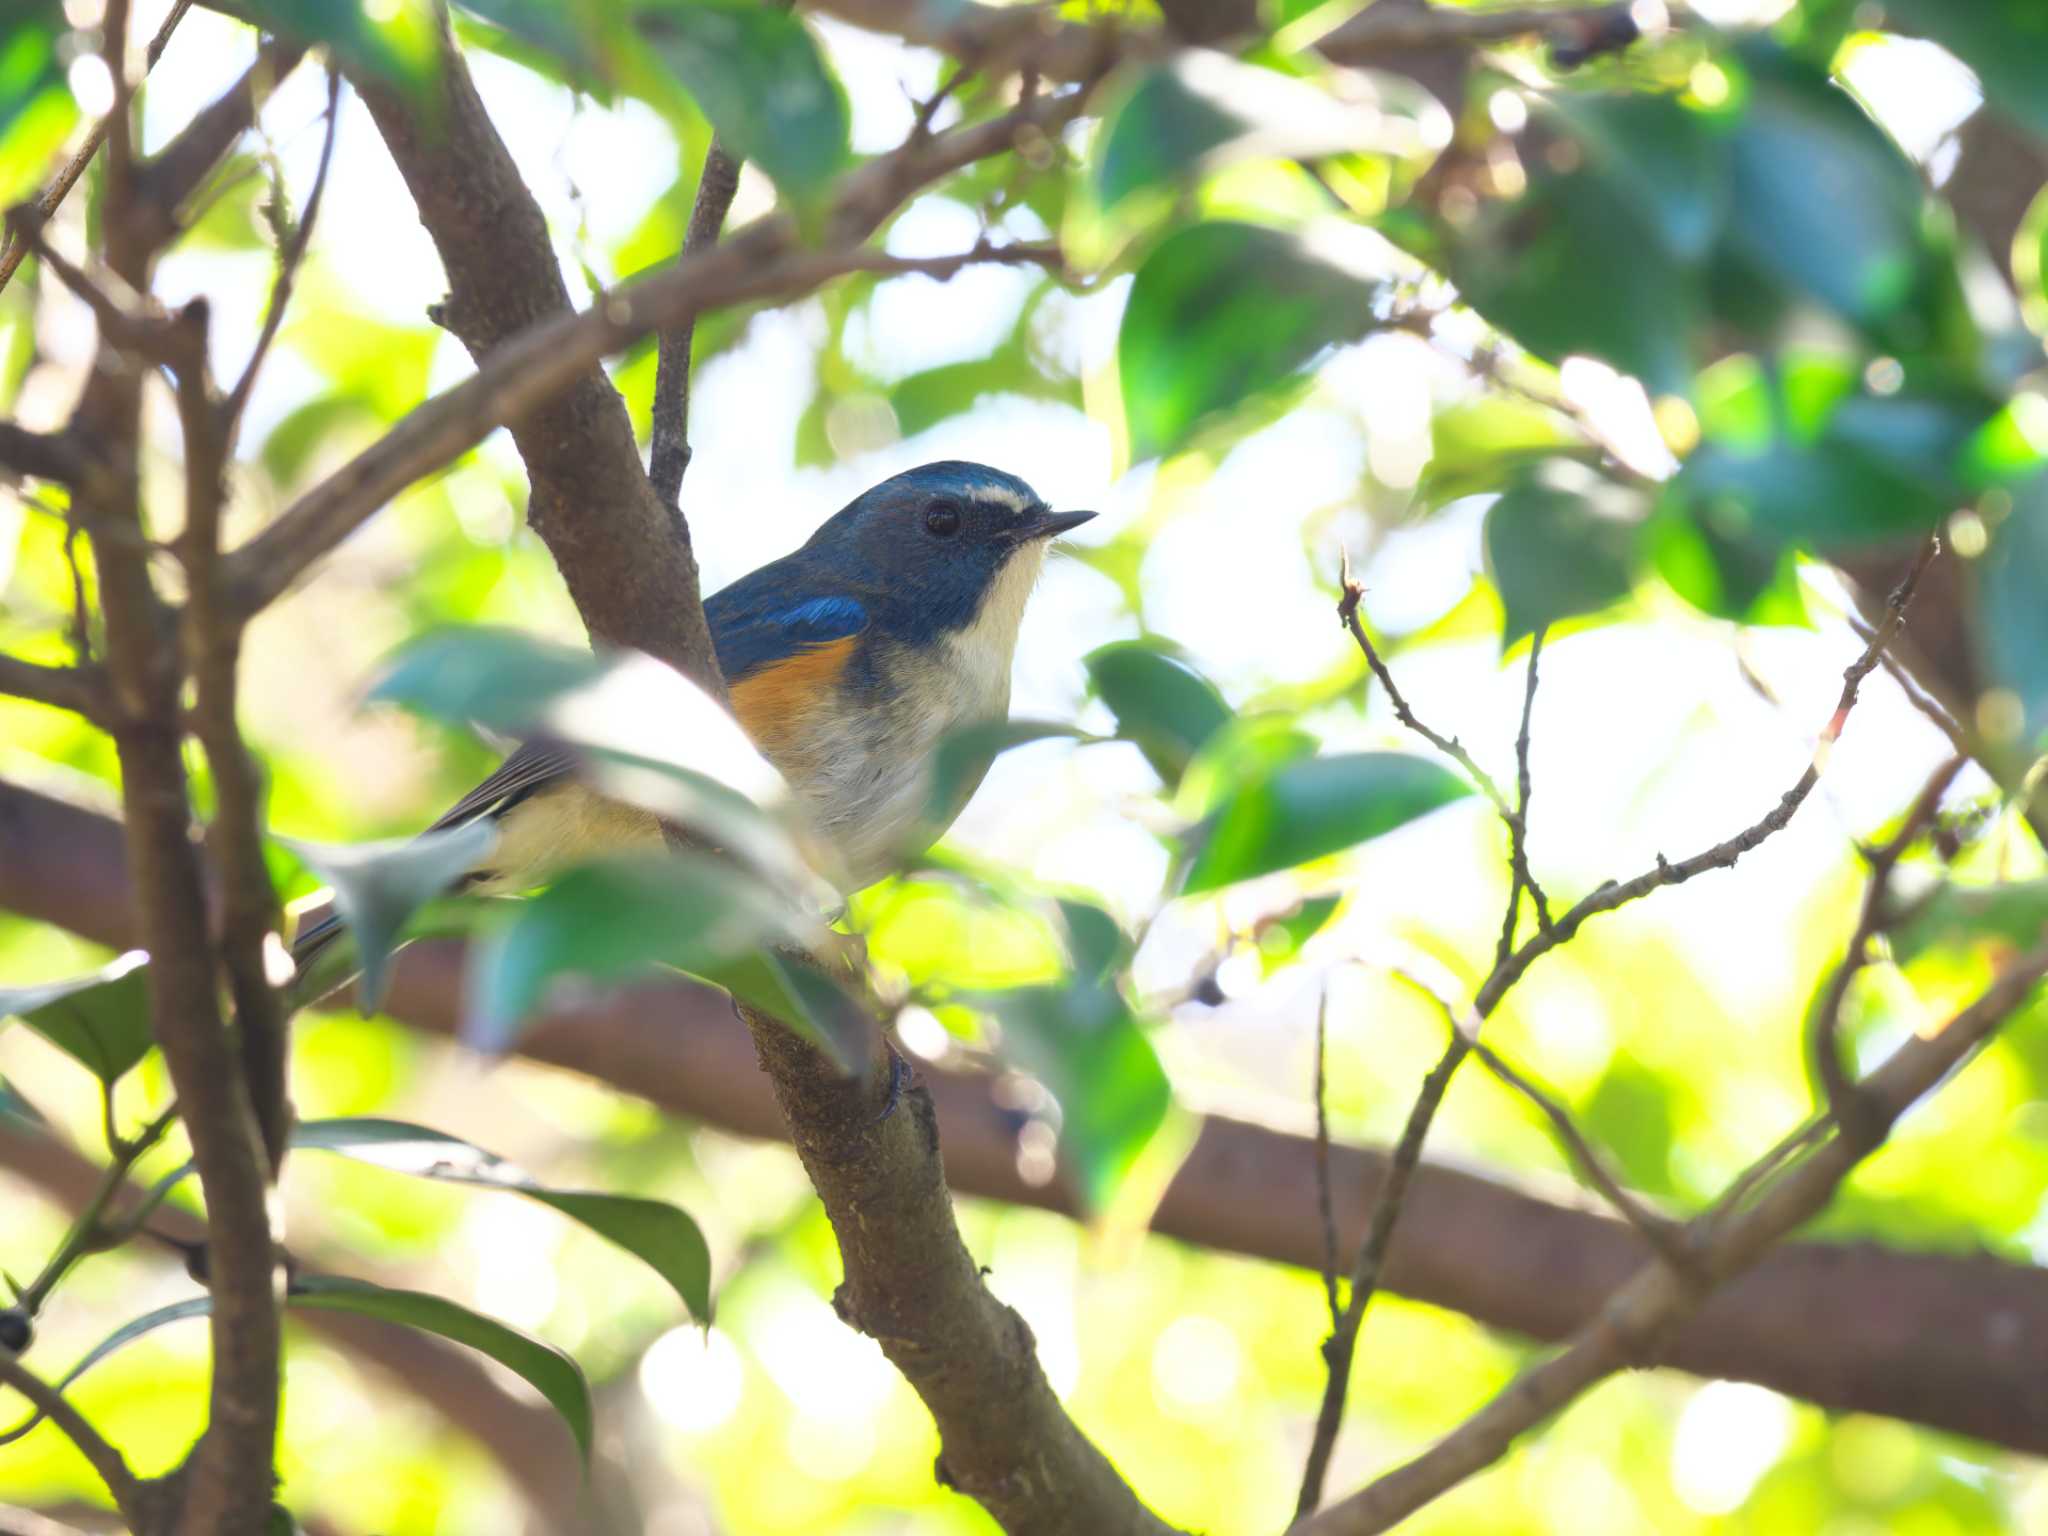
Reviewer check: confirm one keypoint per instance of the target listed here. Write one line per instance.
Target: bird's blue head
(938, 545)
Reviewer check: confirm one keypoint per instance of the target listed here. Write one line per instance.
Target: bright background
(1672, 1028)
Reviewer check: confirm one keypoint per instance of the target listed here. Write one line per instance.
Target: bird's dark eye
(942, 518)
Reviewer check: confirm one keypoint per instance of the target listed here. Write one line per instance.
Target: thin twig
(1325, 1200)
(108, 1462)
(1916, 695)
(288, 263)
(668, 456)
(1632, 1325)
(1518, 829)
(1511, 966)
(984, 252)
(1450, 746)
(86, 1231)
(15, 249)
(1823, 1036)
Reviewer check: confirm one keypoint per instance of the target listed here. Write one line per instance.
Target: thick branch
(1854, 1328)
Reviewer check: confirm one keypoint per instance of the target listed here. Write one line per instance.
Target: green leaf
(1160, 701)
(128, 1333)
(1630, 1113)
(101, 1021)
(1084, 1045)
(1672, 159)
(1249, 747)
(649, 736)
(392, 41)
(2014, 914)
(1554, 554)
(760, 78)
(1736, 576)
(379, 886)
(498, 678)
(1281, 939)
(2030, 263)
(1822, 201)
(1577, 265)
(565, 33)
(546, 1369)
(15, 1108)
(1224, 313)
(2012, 608)
(803, 998)
(618, 918)
(1309, 810)
(1097, 946)
(1202, 110)
(662, 1235)
(964, 756)
(29, 65)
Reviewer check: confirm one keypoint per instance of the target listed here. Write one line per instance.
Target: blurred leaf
(2030, 263)
(1477, 445)
(965, 755)
(18, 1109)
(1097, 945)
(290, 445)
(1823, 201)
(543, 1367)
(1670, 158)
(393, 40)
(803, 998)
(1247, 747)
(613, 919)
(2012, 608)
(2004, 41)
(101, 1021)
(1740, 577)
(662, 1235)
(29, 64)
(1553, 556)
(2014, 914)
(1160, 701)
(1222, 313)
(379, 886)
(1311, 809)
(129, 1332)
(1577, 265)
(1202, 110)
(569, 33)
(762, 81)
(498, 678)
(1281, 938)
(1082, 1043)
(922, 400)
(1630, 1115)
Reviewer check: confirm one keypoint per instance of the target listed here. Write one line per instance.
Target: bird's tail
(321, 962)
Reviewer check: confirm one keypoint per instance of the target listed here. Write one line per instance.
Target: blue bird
(848, 662)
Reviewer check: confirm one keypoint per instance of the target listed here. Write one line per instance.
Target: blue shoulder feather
(762, 618)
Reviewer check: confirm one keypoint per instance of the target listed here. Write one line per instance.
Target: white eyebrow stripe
(1001, 495)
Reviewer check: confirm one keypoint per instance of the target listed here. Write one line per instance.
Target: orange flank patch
(773, 704)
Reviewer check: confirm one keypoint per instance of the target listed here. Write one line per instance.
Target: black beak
(1047, 525)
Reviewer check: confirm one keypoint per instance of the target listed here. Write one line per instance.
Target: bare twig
(1450, 746)
(87, 1230)
(288, 262)
(1511, 964)
(984, 252)
(52, 196)
(1824, 1028)
(80, 689)
(1917, 695)
(1632, 1326)
(668, 457)
(1518, 829)
(108, 1462)
(1325, 1199)
(163, 183)
(44, 455)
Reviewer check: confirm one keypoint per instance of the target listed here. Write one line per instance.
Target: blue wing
(760, 620)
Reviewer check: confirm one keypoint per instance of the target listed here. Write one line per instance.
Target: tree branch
(1631, 1327)
(668, 456)
(1854, 1328)
(108, 1462)
(80, 689)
